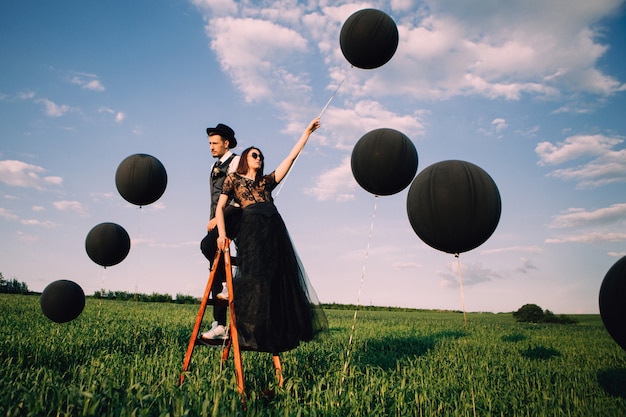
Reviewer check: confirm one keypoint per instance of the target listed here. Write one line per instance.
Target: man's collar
(225, 156)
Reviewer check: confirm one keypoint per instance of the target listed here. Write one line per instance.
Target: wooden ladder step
(213, 342)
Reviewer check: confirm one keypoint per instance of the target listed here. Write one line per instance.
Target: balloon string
(282, 183)
(458, 259)
(331, 98)
(469, 376)
(358, 299)
(139, 229)
(104, 270)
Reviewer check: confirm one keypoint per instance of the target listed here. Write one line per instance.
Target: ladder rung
(212, 342)
(217, 302)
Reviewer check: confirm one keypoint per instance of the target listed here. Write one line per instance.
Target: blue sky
(533, 92)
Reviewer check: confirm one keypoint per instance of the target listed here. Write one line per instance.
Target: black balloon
(141, 179)
(107, 244)
(368, 38)
(612, 301)
(62, 301)
(384, 161)
(454, 206)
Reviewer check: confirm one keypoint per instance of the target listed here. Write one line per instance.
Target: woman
(276, 307)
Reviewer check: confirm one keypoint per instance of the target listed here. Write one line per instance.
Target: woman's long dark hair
(243, 166)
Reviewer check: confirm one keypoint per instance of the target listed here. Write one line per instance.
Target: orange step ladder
(232, 339)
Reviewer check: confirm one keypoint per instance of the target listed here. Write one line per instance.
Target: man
(222, 140)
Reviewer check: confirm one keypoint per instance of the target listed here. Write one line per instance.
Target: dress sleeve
(228, 187)
(270, 181)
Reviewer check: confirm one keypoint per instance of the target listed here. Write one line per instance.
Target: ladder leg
(279, 370)
(196, 327)
(234, 339)
(234, 336)
(225, 352)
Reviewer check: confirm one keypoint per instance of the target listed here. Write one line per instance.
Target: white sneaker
(224, 294)
(217, 332)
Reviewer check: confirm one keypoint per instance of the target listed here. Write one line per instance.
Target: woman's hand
(281, 171)
(221, 226)
(221, 243)
(313, 126)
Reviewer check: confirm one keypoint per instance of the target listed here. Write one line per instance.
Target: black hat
(225, 132)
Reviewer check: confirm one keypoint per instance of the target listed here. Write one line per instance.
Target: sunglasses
(255, 155)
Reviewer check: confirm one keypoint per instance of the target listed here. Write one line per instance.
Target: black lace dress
(275, 305)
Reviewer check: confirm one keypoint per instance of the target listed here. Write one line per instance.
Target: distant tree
(529, 313)
(532, 313)
(185, 299)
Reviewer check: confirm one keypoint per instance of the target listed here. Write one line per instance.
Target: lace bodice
(246, 191)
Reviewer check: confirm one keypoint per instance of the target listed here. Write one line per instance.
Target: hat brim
(232, 141)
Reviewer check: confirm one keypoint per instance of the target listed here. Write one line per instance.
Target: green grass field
(124, 359)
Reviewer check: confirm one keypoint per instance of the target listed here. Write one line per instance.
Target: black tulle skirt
(276, 307)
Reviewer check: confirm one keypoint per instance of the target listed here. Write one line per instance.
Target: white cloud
(576, 217)
(21, 174)
(336, 184)
(101, 196)
(216, 7)
(119, 116)
(53, 109)
(605, 224)
(256, 54)
(26, 95)
(39, 223)
(526, 266)
(607, 166)
(574, 147)
(27, 238)
(575, 108)
(87, 81)
(470, 273)
(66, 205)
(498, 251)
(156, 206)
(556, 41)
(406, 265)
(446, 49)
(7, 214)
(403, 5)
(366, 115)
(499, 125)
(496, 52)
(591, 237)
(608, 169)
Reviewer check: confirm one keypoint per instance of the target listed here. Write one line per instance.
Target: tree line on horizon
(528, 313)
(13, 286)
